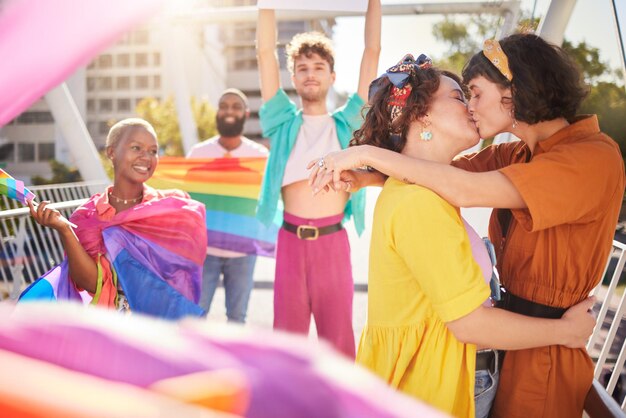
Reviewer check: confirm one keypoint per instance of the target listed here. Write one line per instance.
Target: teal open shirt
(280, 121)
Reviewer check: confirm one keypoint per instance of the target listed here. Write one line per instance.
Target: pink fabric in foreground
(42, 42)
(267, 374)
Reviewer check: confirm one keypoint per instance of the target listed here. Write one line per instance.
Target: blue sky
(591, 21)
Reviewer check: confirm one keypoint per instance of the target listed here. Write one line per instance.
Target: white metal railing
(607, 344)
(28, 250)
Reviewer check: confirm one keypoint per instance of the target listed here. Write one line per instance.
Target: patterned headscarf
(399, 76)
(494, 53)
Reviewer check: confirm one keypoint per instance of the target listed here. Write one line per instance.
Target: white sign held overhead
(333, 5)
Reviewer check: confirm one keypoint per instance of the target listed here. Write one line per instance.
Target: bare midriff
(299, 200)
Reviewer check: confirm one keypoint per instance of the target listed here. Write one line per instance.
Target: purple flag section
(55, 285)
(42, 42)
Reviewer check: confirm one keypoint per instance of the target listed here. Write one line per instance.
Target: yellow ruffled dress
(421, 275)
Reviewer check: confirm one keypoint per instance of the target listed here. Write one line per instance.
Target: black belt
(489, 360)
(522, 306)
(310, 232)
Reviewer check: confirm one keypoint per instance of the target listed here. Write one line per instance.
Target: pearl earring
(513, 117)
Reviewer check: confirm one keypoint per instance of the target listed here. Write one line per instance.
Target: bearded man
(237, 268)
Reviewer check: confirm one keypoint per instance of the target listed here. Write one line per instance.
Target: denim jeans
(485, 387)
(238, 282)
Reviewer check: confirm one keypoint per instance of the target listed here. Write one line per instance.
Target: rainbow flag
(229, 188)
(14, 189)
(148, 249)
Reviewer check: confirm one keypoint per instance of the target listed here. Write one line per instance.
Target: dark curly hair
(377, 128)
(546, 83)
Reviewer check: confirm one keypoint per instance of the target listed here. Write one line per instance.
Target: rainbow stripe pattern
(229, 188)
(14, 189)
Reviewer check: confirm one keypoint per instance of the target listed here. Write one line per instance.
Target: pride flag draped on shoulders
(150, 253)
(229, 188)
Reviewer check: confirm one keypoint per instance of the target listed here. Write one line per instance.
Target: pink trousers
(315, 277)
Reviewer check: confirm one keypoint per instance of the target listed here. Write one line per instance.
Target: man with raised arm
(309, 278)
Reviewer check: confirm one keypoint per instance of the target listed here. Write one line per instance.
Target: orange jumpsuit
(554, 253)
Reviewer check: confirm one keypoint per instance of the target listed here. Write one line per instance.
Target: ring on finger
(321, 163)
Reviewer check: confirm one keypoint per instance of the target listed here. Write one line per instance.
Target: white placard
(333, 5)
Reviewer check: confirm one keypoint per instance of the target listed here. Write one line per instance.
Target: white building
(121, 77)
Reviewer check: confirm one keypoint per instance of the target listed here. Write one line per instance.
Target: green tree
(464, 36)
(60, 174)
(608, 101)
(588, 59)
(162, 115)
(106, 164)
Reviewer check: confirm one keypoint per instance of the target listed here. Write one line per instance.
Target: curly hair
(309, 43)
(546, 83)
(378, 130)
(124, 128)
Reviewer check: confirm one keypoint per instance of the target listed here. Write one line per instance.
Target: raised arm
(266, 37)
(459, 187)
(371, 52)
(82, 268)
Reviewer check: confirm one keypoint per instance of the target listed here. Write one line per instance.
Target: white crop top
(317, 137)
